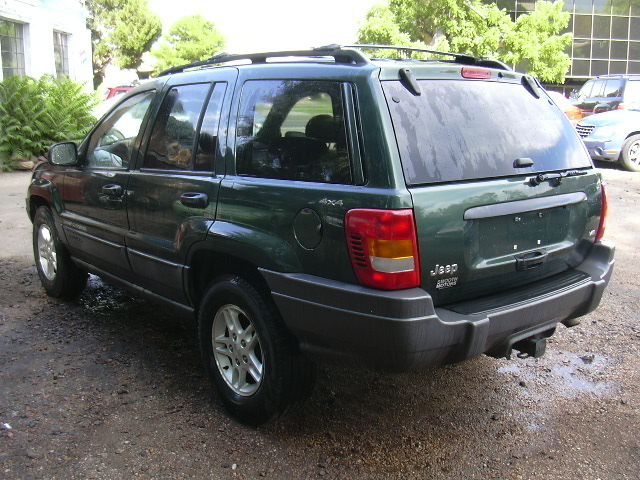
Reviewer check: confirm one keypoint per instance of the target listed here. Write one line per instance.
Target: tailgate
(479, 238)
(468, 149)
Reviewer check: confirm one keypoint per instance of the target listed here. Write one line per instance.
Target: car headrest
(325, 128)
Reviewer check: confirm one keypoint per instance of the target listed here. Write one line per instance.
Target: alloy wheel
(634, 152)
(47, 256)
(237, 350)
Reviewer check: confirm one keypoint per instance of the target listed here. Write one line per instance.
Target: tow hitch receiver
(531, 347)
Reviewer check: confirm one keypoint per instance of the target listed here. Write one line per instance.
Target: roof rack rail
(340, 55)
(345, 54)
(372, 46)
(457, 57)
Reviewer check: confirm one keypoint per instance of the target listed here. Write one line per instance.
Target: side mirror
(65, 153)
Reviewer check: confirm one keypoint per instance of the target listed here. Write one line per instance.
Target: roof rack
(344, 54)
(457, 57)
(340, 55)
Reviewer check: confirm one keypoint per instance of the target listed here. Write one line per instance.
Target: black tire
(630, 154)
(288, 376)
(68, 281)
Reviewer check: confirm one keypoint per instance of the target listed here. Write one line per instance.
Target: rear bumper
(402, 330)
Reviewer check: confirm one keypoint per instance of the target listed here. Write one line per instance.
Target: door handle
(194, 200)
(530, 260)
(112, 190)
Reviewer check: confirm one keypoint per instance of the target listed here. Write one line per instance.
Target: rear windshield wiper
(543, 177)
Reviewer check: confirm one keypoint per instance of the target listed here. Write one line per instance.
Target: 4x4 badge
(444, 269)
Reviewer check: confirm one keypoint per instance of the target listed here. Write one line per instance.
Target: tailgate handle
(522, 162)
(530, 260)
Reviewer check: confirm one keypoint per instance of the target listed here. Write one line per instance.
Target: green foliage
(121, 30)
(481, 29)
(37, 113)
(190, 39)
(538, 45)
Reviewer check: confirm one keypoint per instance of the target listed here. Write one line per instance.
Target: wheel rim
(47, 256)
(634, 153)
(237, 350)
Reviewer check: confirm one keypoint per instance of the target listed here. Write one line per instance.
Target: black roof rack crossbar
(339, 55)
(457, 57)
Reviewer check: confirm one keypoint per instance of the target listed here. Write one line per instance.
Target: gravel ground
(111, 386)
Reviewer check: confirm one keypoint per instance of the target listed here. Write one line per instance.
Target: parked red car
(114, 91)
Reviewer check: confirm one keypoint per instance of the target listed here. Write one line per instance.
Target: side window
(585, 91)
(172, 142)
(632, 92)
(598, 86)
(303, 111)
(293, 130)
(111, 144)
(613, 88)
(208, 137)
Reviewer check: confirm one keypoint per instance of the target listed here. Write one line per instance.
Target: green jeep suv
(320, 204)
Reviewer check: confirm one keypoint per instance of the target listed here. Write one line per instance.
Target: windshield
(462, 130)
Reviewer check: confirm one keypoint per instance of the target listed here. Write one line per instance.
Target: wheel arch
(632, 134)
(36, 201)
(219, 255)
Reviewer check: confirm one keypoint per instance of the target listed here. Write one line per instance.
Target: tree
(190, 39)
(471, 26)
(121, 30)
(538, 47)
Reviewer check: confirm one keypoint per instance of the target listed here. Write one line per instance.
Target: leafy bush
(37, 113)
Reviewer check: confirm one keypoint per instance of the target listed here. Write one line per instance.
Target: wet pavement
(111, 386)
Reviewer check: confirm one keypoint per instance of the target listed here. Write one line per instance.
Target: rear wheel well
(36, 202)
(206, 265)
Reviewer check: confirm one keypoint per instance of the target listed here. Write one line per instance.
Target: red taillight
(604, 212)
(383, 248)
(476, 73)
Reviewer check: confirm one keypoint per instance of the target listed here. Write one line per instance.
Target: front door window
(112, 143)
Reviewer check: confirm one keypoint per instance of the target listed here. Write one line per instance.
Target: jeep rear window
(465, 130)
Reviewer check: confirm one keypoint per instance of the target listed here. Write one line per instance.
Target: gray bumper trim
(402, 330)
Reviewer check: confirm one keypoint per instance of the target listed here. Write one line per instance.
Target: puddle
(578, 383)
(567, 372)
(100, 298)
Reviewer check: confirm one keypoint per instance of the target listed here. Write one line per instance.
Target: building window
(61, 53)
(11, 49)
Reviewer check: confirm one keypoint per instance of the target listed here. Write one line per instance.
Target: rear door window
(613, 88)
(632, 93)
(172, 141)
(293, 130)
(208, 135)
(463, 130)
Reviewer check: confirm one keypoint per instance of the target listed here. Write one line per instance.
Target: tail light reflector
(383, 247)
(603, 215)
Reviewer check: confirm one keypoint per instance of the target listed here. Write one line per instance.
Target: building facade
(45, 37)
(606, 35)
